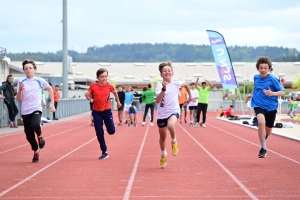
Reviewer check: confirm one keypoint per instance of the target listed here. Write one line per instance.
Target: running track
(217, 162)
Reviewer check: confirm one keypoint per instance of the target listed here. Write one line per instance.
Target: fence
(66, 107)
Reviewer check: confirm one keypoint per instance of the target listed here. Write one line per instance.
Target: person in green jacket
(292, 106)
(148, 96)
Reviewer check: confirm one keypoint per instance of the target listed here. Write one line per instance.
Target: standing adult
(56, 99)
(148, 95)
(202, 100)
(9, 100)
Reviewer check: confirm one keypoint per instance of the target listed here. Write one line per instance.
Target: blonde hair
(162, 65)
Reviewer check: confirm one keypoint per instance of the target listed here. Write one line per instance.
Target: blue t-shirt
(134, 110)
(259, 99)
(128, 98)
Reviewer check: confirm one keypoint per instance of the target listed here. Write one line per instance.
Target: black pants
(151, 106)
(55, 106)
(202, 107)
(12, 110)
(31, 126)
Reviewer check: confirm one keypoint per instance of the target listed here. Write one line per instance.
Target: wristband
(163, 89)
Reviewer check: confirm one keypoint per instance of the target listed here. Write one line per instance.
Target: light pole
(65, 51)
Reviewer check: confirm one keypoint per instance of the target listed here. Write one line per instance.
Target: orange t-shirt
(219, 112)
(101, 96)
(56, 95)
(182, 97)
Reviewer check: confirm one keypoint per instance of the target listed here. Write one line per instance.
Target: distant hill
(146, 52)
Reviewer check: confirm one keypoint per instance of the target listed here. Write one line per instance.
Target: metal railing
(65, 108)
(69, 107)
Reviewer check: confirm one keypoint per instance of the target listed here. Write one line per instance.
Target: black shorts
(91, 106)
(269, 116)
(181, 106)
(121, 108)
(192, 107)
(161, 123)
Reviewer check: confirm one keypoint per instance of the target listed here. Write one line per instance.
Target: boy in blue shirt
(265, 94)
(132, 112)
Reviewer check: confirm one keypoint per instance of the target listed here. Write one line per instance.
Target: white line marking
(43, 169)
(295, 161)
(45, 138)
(251, 195)
(133, 173)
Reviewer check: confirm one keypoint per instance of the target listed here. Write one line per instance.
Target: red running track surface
(217, 162)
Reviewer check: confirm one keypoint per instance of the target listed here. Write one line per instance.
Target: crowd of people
(173, 99)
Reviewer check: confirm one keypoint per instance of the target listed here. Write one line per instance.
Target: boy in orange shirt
(102, 108)
(56, 99)
(182, 99)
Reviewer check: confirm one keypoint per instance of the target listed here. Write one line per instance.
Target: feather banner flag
(222, 60)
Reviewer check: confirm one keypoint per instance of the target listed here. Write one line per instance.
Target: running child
(102, 108)
(132, 112)
(265, 94)
(168, 109)
(29, 90)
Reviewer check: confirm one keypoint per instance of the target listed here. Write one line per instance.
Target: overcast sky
(33, 25)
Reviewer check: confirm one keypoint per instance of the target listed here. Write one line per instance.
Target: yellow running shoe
(174, 148)
(163, 161)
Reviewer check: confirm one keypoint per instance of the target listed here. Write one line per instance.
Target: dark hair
(101, 71)
(8, 77)
(203, 83)
(231, 106)
(264, 60)
(131, 109)
(192, 83)
(162, 65)
(149, 85)
(27, 61)
(56, 85)
(119, 86)
(144, 89)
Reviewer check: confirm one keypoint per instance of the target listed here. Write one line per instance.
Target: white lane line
(43, 169)
(295, 161)
(251, 195)
(133, 173)
(45, 138)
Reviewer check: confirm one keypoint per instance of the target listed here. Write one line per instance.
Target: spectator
(132, 112)
(121, 95)
(9, 100)
(56, 99)
(228, 112)
(148, 95)
(182, 99)
(233, 98)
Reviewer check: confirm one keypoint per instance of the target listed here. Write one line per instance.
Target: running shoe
(36, 156)
(203, 125)
(163, 161)
(104, 156)
(41, 141)
(126, 122)
(151, 124)
(191, 124)
(262, 153)
(196, 124)
(174, 148)
(143, 124)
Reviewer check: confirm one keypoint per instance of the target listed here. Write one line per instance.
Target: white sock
(173, 140)
(163, 153)
(263, 143)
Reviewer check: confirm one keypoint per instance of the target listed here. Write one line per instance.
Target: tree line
(146, 52)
